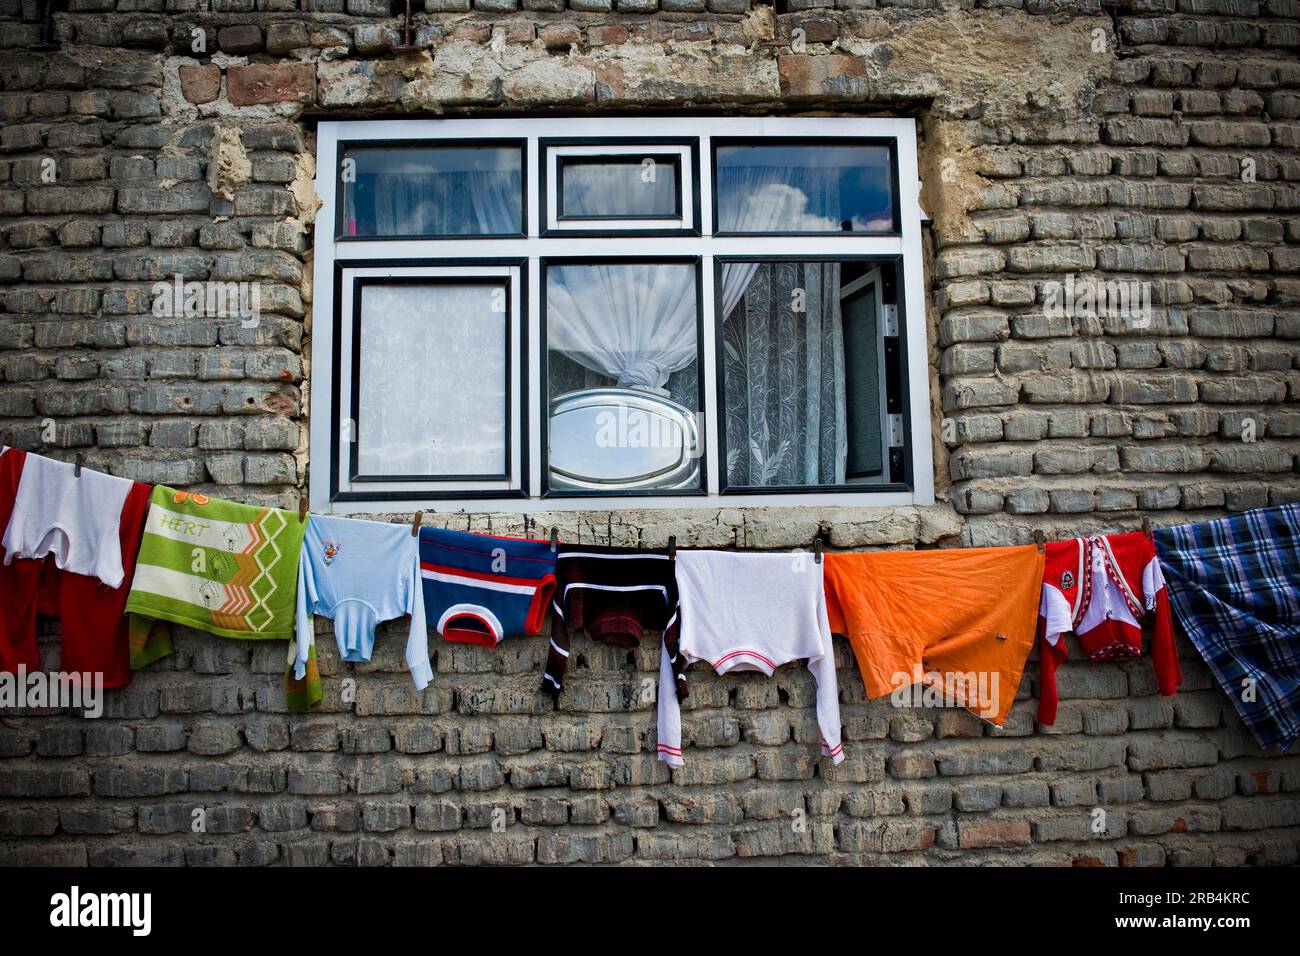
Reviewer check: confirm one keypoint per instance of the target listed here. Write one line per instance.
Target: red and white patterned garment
(1102, 587)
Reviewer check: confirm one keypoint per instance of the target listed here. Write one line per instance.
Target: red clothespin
(415, 524)
(672, 547)
(1040, 539)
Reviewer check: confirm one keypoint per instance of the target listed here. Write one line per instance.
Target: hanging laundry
(615, 594)
(479, 588)
(1101, 587)
(19, 580)
(956, 626)
(73, 517)
(361, 573)
(226, 568)
(1235, 588)
(750, 612)
(93, 631)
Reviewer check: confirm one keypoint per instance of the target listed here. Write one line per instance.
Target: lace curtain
(783, 370)
(449, 418)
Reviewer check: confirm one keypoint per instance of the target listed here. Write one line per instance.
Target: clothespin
(1040, 539)
(76, 465)
(415, 524)
(1146, 527)
(302, 508)
(555, 538)
(7, 439)
(817, 549)
(672, 547)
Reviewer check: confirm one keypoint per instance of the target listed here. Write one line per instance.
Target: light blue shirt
(361, 573)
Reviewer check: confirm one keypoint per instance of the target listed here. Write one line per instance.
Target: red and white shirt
(1102, 587)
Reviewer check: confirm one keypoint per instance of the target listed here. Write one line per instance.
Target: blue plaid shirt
(1235, 587)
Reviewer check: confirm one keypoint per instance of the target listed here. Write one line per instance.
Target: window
(616, 186)
(399, 190)
(443, 429)
(619, 187)
(799, 188)
(805, 346)
(623, 375)
(615, 324)
(427, 368)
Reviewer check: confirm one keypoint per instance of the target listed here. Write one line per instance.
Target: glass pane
(432, 191)
(801, 363)
(863, 354)
(619, 188)
(622, 345)
(432, 379)
(812, 188)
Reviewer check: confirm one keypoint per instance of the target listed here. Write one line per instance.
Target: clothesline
(918, 620)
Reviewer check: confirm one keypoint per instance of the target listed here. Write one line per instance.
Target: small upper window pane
(804, 189)
(413, 191)
(620, 187)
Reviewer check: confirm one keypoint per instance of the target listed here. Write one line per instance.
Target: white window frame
(401, 256)
(553, 153)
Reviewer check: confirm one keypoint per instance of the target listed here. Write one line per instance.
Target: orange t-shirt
(963, 620)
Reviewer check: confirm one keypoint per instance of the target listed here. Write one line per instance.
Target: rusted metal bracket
(407, 45)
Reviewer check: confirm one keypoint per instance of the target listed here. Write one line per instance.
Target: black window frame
(546, 144)
(895, 231)
(521, 145)
(899, 472)
(514, 393)
(544, 263)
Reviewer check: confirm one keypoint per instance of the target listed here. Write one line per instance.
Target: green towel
(220, 566)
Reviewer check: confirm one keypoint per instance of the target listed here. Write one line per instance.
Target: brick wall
(1151, 141)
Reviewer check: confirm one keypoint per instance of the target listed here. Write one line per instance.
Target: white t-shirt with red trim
(751, 612)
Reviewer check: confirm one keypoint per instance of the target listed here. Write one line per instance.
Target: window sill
(756, 528)
(669, 505)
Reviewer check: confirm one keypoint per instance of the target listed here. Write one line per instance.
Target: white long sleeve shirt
(751, 612)
(75, 518)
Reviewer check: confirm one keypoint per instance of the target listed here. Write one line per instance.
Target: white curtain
(784, 378)
(757, 198)
(466, 202)
(446, 415)
(635, 322)
(618, 189)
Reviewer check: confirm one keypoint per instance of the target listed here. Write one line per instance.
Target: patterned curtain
(784, 378)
